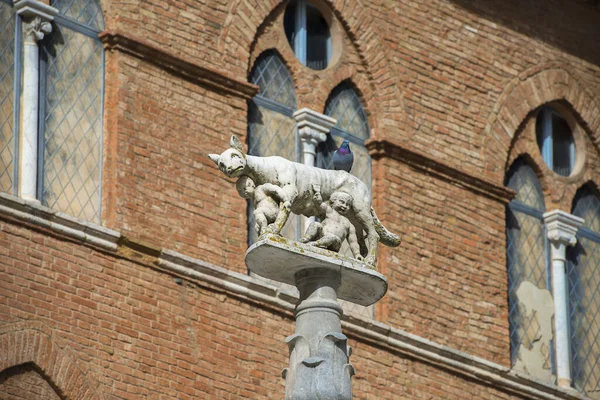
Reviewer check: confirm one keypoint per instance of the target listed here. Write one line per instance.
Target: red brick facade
(449, 87)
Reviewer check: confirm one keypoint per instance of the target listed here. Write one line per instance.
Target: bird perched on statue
(343, 157)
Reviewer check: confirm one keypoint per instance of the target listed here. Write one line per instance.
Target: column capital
(36, 17)
(30, 9)
(562, 227)
(313, 126)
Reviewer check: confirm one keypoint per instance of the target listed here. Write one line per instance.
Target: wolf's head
(232, 162)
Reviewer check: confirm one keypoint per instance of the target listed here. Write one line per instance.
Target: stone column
(562, 229)
(313, 128)
(36, 24)
(319, 354)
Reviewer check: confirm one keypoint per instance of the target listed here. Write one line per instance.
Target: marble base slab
(280, 259)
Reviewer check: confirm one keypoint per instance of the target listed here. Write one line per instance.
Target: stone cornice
(31, 213)
(266, 295)
(116, 40)
(384, 148)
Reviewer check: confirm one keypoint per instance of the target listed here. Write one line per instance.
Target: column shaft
(29, 144)
(562, 230)
(36, 24)
(561, 317)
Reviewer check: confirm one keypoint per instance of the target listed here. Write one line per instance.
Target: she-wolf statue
(297, 182)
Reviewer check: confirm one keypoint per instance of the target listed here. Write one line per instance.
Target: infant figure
(267, 200)
(336, 227)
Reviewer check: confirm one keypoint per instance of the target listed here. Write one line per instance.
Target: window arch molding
(384, 101)
(525, 142)
(521, 97)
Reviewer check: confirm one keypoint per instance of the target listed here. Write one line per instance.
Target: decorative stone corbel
(36, 24)
(313, 128)
(561, 229)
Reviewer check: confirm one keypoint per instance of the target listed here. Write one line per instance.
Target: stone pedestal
(319, 355)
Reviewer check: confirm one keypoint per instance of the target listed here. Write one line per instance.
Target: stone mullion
(36, 24)
(562, 229)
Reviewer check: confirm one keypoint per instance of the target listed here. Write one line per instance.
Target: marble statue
(267, 198)
(331, 232)
(296, 183)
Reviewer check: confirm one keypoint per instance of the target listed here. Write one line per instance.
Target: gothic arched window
(583, 274)
(352, 124)
(526, 259)
(271, 127)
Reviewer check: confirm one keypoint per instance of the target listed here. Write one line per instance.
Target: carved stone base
(319, 354)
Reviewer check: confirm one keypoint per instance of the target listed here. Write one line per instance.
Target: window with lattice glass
(8, 21)
(529, 297)
(72, 81)
(583, 280)
(71, 86)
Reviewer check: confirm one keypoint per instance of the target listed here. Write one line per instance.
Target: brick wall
(446, 84)
(103, 326)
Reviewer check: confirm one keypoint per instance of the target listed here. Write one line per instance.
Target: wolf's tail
(386, 237)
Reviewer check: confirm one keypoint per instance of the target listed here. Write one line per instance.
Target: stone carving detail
(296, 194)
(335, 228)
(312, 371)
(268, 200)
(36, 29)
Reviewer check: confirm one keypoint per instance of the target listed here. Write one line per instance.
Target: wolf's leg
(364, 217)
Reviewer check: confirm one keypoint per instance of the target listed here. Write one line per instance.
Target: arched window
(352, 124)
(583, 273)
(527, 266)
(71, 93)
(7, 95)
(271, 127)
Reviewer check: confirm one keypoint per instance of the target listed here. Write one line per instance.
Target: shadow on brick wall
(571, 25)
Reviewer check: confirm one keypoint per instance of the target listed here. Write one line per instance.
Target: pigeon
(343, 157)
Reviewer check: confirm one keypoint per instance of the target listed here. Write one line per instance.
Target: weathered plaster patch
(537, 312)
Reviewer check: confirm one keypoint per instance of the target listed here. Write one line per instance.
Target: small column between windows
(313, 128)
(36, 24)
(561, 229)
